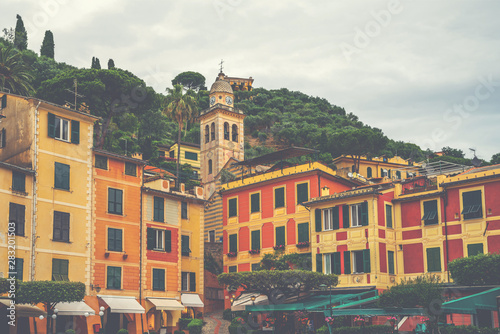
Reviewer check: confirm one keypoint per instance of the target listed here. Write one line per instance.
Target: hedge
(376, 329)
(184, 322)
(195, 326)
(467, 330)
(481, 269)
(227, 315)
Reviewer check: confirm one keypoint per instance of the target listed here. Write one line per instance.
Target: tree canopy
(15, 75)
(47, 48)
(481, 269)
(21, 36)
(190, 80)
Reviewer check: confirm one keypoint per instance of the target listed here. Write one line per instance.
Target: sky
(424, 72)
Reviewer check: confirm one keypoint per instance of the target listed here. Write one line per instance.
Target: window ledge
(62, 241)
(19, 192)
(116, 214)
(67, 190)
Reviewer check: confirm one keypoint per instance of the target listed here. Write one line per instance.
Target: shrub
(70, 331)
(323, 330)
(376, 329)
(226, 314)
(184, 322)
(194, 326)
(481, 269)
(179, 332)
(122, 331)
(237, 329)
(467, 330)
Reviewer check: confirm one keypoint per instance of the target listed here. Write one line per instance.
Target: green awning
(375, 311)
(485, 300)
(358, 302)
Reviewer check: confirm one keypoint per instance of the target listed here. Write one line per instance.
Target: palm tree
(14, 73)
(182, 108)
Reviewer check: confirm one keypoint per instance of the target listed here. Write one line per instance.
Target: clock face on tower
(212, 100)
(229, 100)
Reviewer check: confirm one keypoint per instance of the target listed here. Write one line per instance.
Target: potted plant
(329, 321)
(279, 247)
(254, 251)
(231, 254)
(392, 321)
(303, 244)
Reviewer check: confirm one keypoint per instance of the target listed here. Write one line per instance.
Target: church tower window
(235, 133)
(210, 166)
(207, 134)
(226, 131)
(212, 130)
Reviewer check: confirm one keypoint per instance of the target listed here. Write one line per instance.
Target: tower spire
(220, 64)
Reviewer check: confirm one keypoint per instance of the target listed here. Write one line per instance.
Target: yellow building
(395, 168)
(190, 154)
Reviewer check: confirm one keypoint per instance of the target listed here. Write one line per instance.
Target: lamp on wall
(96, 287)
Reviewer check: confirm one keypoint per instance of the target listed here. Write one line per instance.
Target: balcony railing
(419, 185)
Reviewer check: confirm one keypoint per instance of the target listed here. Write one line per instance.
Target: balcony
(419, 185)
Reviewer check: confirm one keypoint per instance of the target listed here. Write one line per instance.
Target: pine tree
(111, 64)
(21, 36)
(47, 48)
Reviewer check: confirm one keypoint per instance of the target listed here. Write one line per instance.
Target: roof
(153, 169)
(221, 86)
(16, 168)
(173, 194)
(481, 169)
(371, 190)
(287, 153)
(120, 157)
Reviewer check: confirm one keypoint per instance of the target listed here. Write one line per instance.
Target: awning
(375, 311)
(191, 300)
(74, 308)
(245, 300)
(166, 304)
(123, 304)
(25, 310)
(485, 300)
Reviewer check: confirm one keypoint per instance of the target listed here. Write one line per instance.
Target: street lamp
(101, 314)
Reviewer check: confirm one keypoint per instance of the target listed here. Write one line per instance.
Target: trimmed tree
(20, 35)
(481, 269)
(47, 48)
(111, 64)
(190, 80)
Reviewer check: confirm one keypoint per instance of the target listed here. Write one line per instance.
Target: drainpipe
(140, 247)
(33, 215)
(445, 199)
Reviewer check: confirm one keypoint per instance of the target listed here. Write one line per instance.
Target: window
(235, 133)
(19, 264)
(390, 262)
(4, 102)
(160, 240)
(302, 192)
(158, 209)
(472, 204)
(232, 269)
(255, 240)
(171, 154)
(61, 176)
(474, 249)
(130, 169)
(185, 250)
(115, 238)
(226, 131)
(384, 172)
(158, 279)
(191, 155)
(359, 214)
(255, 202)
(58, 128)
(233, 243)
(115, 200)
(3, 138)
(361, 261)
(60, 270)
(398, 175)
(369, 172)
(184, 210)
(345, 216)
(331, 219)
(388, 215)
(332, 263)
(61, 226)
(433, 259)
(212, 131)
(161, 154)
(16, 218)
(114, 278)
(101, 162)
(280, 236)
(279, 197)
(188, 281)
(255, 266)
(430, 213)
(211, 236)
(232, 207)
(207, 134)
(210, 166)
(18, 181)
(303, 232)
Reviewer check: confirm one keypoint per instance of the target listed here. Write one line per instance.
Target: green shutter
(255, 202)
(303, 232)
(319, 263)
(430, 213)
(52, 125)
(474, 249)
(433, 259)
(336, 218)
(280, 236)
(472, 204)
(369, 172)
(4, 138)
(19, 263)
(364, 214)
(302, 193)
(192, 282)
(158, 209)
(4, 101)
(256, 239)
(151, 238)
(347, 262)
(233, 210)
(388, 215)
(233, 243)
(18, 181)
(75, 132)
(185, 245)
(317, 219)
(168, 241)
(279, 197)
(232, 269)
(390, 260)
(345, 216)
(336, 263)
(366, 260)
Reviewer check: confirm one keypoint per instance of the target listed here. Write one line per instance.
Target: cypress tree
(96, 63)
(111, 64)
(47, 48)
(20, 36)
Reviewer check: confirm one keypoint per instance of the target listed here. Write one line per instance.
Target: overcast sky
(424, 72)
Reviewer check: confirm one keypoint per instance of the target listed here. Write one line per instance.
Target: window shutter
(161, 278)
(280, 236)
(345, 216)
(390, 260)
(347, 262)
(233, 210)
(256, 239)
(302, 192)
(335, 214)
(151, 238)
(118, 240)
(65, 227)
(192, 282)
(336, 263)
(279, 197)
(75, 132)
(303, 232)
(233, 243)
(474, 249)
(366, 260)
(433, 259)
(4, 140)
(4, 101)
(388, 215)
(319, 263)
(52, 126)
(255, 202)
(158, 209)
(317, 217)
(369, 172)
(430, 213)
(364, 214)
(168, 241)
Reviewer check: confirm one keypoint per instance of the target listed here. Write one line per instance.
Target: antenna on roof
(221, 62)
(475, 161)
(75, 84)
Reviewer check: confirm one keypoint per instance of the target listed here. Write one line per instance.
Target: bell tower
(221, 133)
